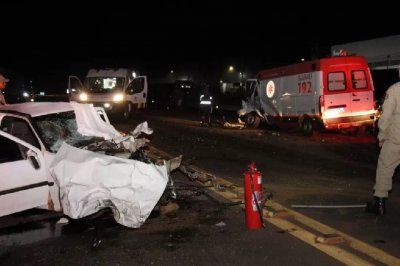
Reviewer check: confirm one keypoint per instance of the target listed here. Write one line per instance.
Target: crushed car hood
(90, 181)
(90, 123)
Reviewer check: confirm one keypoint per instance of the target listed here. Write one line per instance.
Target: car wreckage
(67, 157)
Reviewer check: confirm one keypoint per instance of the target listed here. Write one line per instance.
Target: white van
(116, 90)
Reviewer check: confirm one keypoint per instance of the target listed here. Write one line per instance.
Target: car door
(136, 92)
(75, 86)
(23, 182)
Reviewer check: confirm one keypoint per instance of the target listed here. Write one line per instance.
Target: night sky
(47, 42)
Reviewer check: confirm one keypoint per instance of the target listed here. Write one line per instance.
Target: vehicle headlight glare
(83, 97)
(118, 97)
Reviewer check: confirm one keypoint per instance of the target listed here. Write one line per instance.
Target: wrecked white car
(68, 157)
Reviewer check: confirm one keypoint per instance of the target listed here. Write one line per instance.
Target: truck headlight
(118, 97)
(83, 97)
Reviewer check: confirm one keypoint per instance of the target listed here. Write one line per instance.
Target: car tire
(252, 120)
(307, 126)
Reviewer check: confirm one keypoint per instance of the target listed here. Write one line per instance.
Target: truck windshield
(104, 84)
(54, 129)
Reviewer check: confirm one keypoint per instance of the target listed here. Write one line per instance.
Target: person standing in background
(206, 106)
(3, 84)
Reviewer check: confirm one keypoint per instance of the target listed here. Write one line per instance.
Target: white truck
(116, 90)
(330, 93)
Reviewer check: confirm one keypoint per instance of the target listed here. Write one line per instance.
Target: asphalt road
(329, 169)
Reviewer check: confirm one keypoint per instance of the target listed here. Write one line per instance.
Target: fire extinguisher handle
(252, 166)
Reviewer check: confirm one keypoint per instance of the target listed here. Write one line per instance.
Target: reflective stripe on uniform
(207, 101)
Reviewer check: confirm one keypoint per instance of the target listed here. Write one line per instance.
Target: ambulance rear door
(362, 93)
(337, 96)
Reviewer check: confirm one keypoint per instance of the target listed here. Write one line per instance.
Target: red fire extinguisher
(253, 197)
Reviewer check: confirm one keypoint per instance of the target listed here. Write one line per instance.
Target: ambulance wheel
(252, 120)
(127, 111)
(307, 126)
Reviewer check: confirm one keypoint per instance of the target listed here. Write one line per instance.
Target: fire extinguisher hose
(256, 199)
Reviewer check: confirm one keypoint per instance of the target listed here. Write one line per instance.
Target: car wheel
(252, 120)
(307, 126)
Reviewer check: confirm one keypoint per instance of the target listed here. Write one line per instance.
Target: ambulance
(332, 93)
(118, 91)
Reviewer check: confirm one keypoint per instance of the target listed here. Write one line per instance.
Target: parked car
(67, 157)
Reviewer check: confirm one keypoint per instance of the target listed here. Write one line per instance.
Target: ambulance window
(136, 86)
(358, 79)
(9, 151)
(336, 81)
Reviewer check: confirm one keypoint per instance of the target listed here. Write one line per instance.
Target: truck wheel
(127, 111)
(252, 120)
(307, 126)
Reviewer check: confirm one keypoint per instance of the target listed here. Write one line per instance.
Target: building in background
(383, 56)
(381, 53)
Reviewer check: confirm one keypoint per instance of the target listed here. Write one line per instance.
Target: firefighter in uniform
(206, 107)
(389, 157)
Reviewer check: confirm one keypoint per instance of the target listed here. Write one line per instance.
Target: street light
(231, 69)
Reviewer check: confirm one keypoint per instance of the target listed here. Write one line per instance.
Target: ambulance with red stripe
(330, 93)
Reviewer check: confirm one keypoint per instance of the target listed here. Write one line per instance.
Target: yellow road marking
(306, 236)
(309, 238)
(354, 243)
(333, 251)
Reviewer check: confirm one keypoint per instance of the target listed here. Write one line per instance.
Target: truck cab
(118, 91)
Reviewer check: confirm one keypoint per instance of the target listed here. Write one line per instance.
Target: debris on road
(170, 209)
(238, 125)
(330, 239)
(220, 224)
(194, 174)
(279, 214)
(234, 125)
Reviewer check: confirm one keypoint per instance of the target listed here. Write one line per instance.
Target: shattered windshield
(105, 84)
(54, 129)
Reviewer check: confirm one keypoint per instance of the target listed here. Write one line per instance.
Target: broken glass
(54, 129)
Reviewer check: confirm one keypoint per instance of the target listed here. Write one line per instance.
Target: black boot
(378, 207)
